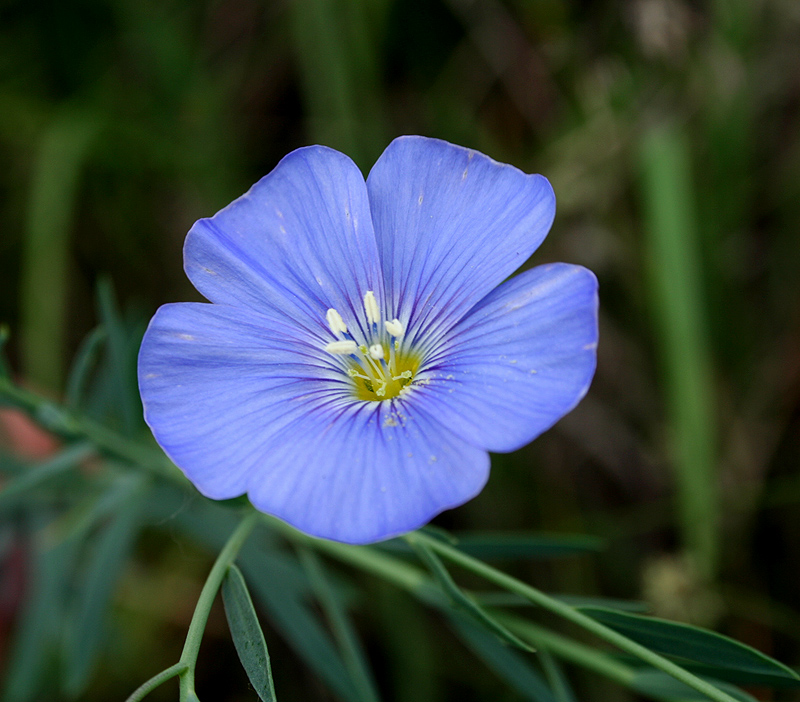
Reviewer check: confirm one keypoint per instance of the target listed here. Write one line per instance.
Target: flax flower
(361, 354)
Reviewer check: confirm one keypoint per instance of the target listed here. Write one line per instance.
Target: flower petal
(301, 240)
(364, 472)
(242, 404)
(519, 361)
(451, 224)
(215, 377)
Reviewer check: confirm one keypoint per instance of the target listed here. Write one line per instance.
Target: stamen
(342, 348)
(395, 328)
(376, 352)
(371, 308)
(335, 322)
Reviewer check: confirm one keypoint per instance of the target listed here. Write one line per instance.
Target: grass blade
(84, 360)
(54, 185)
(678, 307)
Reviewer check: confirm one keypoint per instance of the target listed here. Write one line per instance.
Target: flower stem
(198, 624)
(147, 687)
(571, 614)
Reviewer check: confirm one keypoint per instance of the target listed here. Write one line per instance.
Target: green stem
(198, 624)
(368, 559)
(571, 614)
(569, 650)
(415, 581)
(62, 422)
(146, 688)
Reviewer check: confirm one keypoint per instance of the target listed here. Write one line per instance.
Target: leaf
(37, 627)
(349, 644)
(109, 551)
(42, 472)
(662, 686)
(501, 598)
(507, 664)
(276, 581)
(462, 600)
(247, 635)
(124, 337)
(719, 656)
(555, 677)
(272, 578)
(84, 359)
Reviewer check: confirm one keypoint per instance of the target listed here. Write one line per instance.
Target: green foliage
(247, 635)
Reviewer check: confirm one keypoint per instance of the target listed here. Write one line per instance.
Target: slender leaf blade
(659, 685)
(506, 663)
(349, 644)
(720, 656)
(462, 600)
(83, 643)
(42, 472)
(247, 635)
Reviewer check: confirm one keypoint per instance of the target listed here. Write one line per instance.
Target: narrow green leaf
(510, 599)
(352, 651)
(720, 656)
(678, 306)
(276, 581)
(507, 664)
(109, 551)
(61, 156)
(555, 676)
(271, 578)
(661, 686)
(635, 606)
(42, 472)
(37, 629)
(81, 367)
(123, 347)
(247, 635)
(461, 599)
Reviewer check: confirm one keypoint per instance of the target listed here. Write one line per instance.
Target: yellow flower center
(381, 368)
(380, 380)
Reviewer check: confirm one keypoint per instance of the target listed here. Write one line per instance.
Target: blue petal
(451, 224)
(519, 361)
(301, 240)
(244, 403)
(365, 471)
(214, 376)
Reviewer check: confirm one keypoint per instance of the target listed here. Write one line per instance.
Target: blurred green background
(670, 131)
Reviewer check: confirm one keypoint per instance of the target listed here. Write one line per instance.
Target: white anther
(395, 328)
(341, 348)
(335, 322)
(376, 352)
(371, 308)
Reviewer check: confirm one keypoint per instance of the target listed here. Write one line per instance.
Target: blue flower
(361, 355)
